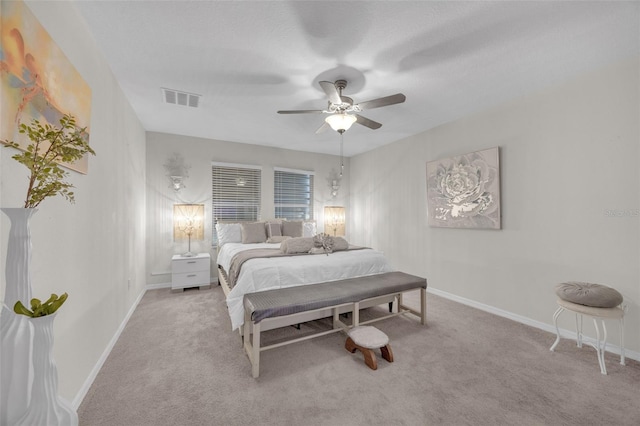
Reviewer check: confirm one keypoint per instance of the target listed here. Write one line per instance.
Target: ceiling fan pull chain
(341, 153)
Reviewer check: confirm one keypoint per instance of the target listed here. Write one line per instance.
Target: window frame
(228, 194)
(294, 191)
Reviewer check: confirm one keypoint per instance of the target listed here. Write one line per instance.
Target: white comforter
(280, 272)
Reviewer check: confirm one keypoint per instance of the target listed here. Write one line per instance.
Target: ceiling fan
(342, 109)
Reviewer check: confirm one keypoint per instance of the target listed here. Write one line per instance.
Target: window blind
(235, 194)
(293, 194)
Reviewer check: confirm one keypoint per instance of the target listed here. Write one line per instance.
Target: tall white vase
(16, 332)
(18, 273)
(45, 407)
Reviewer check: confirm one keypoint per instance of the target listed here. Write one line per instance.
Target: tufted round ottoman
(365, 338)
(597, 301)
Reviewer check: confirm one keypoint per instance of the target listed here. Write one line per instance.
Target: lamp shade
(334, 220)
(340, 122)
(188, 222)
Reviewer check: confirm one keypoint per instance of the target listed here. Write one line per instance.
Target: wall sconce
(334, 219)
(176, 183)
(188, 223)
(335, 186)
(177, 171)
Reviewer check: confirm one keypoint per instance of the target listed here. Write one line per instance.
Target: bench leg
(255, 356)
(252, 345)
(423, 306)
(356, 314)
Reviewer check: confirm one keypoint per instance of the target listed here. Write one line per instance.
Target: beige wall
(569, 156)
(199, 154)
(91, 249)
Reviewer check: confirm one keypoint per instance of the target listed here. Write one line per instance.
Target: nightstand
(192, 271)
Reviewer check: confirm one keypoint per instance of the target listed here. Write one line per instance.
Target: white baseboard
(96, 369)
(157, 286)
(528, 321)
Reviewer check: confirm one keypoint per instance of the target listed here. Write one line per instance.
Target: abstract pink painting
(37, 80)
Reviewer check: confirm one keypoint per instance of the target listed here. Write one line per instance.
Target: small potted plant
(50, 147)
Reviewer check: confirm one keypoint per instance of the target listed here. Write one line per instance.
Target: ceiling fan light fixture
(340, 122)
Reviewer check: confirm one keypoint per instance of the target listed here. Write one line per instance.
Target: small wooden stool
(366, 338)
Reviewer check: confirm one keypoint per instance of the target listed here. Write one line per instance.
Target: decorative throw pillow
(309, 228)
(292, 228)
(274, 229)
(228, 233)
(253, 233)
(296, 245)
(595, 295)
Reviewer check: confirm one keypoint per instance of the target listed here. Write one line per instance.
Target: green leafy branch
(50, 146)
(39, 309)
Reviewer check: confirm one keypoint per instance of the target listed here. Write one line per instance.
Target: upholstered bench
(365, 339)
(594, 300)
(286, 306)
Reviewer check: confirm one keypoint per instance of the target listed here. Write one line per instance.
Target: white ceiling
(249, 59)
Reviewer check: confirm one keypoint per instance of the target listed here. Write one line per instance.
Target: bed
(281, 274)
(282, 271)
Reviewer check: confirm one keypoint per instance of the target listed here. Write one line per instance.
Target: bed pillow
(228, 233)
(309, 228)
(296, 245)
(253, 233)
(292, 228)
(274, 229)
(339, 244)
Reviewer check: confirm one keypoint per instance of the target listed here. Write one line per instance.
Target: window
(293, 194)
(235, 193)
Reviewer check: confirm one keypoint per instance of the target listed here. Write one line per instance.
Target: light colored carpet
(178, 363)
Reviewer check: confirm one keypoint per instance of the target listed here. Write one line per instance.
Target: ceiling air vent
(176, 97)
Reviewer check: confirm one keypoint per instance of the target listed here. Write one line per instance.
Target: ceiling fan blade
(331, 91)
(367, 123)
(323, 128)
(398, 98)
(301, 111)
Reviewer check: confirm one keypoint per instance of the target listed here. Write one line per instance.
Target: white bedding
(280, 272)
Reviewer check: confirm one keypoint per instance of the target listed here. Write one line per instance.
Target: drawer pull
(191, 261)
(191, 275)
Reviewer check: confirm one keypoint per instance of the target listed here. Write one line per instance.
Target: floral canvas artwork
(37, 80)
(464, 191)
